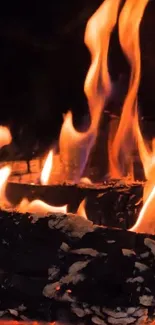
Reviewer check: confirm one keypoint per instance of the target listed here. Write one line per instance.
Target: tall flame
(46, 171)
(123, 144)
(76, 146)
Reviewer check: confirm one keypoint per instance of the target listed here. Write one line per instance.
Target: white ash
(86, 251)
(96, 310)
(2, 312)
(147, 289)
(138, 289)
(67, 297)
(131, 310)
(137, 279)
(113, 313)
(77, 266)
(24, 318)
(121, 321)
(111, 241)
(141, 267)
(53, 272)
(72, 277)
(146, 300)
(97, 320)
(144, 255)
(140, 312)
(128, 252)
(65, 247)
(75, 225)
(13, 312)
(78, 311)
(22, 307)
(50, 289)
(151, 244)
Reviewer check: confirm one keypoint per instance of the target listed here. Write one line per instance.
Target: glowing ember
(45, 174)
(81, 209)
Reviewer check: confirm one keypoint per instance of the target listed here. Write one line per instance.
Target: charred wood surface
(63, 267)
(114, 204)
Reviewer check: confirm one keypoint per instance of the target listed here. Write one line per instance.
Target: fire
(81, 209)
(15, 322)
(76, 146)
(123, 144)
(5, 136)
(5, 172)
(39, 208)
(45, 174)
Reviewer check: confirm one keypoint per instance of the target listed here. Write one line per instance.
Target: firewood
(113, 204)
(63, 267)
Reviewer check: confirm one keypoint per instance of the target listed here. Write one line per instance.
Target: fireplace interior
(77, 163)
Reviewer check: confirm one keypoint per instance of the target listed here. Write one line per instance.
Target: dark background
(43, 64)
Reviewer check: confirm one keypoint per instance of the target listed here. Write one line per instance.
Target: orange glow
(4, 175)
(75, 146)
(5, 136)
(86, 180)
(121, 150)
(39, 208)
(81, 209)
(146, 220)
(46, 171)
(15, 322)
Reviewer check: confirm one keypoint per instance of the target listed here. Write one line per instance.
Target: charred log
(114, 204)
(63, 266)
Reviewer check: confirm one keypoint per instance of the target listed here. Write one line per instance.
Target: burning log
(64, 267)
(113, 204)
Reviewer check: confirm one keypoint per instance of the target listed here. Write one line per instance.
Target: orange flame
(15, 322)
(123, 143)
(39, 208)
(46, 171)
(81, 209)
(4, 175)
(76, 146)
(5, 136)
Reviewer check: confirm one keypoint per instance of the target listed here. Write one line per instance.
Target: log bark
(62, 267)
(113, 204)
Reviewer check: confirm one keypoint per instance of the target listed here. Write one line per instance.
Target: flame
(29, 322)
(86, 180)
(5, 136)
(81, 209)
(39, 208)
(4, 175)
(123, 144)
(76, 146)
(46, 171)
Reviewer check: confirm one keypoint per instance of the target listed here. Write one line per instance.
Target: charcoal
(65, 268)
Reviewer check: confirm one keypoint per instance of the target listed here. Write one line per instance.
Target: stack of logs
(65, 268)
